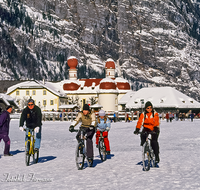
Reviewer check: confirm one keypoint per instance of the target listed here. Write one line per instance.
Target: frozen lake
(178, 168)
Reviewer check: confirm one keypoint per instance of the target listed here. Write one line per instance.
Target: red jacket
(149, 122)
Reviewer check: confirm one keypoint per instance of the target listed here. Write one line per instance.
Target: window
(27, 92)
(51, 102)
(83, 102)
(17, 92)
(44, 92)
(34, 93)
(44, 102)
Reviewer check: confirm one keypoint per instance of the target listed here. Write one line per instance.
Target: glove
(37, 130)
(71, 128)
(136, 131)
(107, 129)
(156, 129)
(21, 128)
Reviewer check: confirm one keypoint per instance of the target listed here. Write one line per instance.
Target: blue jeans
(37, 137)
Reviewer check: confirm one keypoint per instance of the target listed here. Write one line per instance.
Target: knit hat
(86, 107)
(102, 113)
(148, 104)
(31, 100)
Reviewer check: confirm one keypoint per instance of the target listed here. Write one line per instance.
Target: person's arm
(3, 118)
(77, 120)
(156, 120)
(22, 119)
(93, 123)
(139, 123)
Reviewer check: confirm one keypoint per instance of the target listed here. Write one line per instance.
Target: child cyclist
(88, 120)
(150, 122)
(103, 125)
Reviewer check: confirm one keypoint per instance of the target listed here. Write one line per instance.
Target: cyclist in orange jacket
(150, 121)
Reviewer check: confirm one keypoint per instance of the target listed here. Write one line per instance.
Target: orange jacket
(150, 122)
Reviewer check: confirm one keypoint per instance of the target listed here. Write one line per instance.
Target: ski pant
(154, 140)
(89, 143)
(106, 141)
(6, 140)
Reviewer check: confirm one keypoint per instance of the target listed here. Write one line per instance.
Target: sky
(178, 168)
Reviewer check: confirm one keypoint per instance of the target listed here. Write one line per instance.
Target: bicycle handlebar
(150, 132)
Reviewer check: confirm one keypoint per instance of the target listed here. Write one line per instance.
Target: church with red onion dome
(105, 91)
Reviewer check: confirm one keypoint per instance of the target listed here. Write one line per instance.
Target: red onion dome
(122, 84)
(72, 62)
(107, 84)
(110, 64)
(71, 86)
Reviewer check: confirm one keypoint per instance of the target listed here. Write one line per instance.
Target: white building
(161, 98)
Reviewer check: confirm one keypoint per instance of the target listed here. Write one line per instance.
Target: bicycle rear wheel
(80, 156)
(146, 157)
(27, 153)
(102, 150)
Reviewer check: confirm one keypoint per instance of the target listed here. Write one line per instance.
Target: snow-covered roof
(69, 106)
(96, 106)
(120, 79)
(71, 57)
(162, 97)
(55, 88)
(8, 100)
(126, 97)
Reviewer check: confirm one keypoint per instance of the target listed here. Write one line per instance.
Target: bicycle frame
(31, 139)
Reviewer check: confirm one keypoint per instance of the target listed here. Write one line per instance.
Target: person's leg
(89, 142)
(106, 141)
(155, 146)
(97, 137)
(6, 139)
(38, 139)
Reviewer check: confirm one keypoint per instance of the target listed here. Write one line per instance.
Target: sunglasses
(149, 108)
(30, 104)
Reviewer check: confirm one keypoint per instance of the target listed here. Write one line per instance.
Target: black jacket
(32, 117)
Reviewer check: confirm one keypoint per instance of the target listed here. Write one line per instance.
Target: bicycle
(102, 147)
(29, 147)
(148, 156)
(81, 154)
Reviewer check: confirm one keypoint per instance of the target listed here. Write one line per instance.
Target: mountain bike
(80, 154)
(29, 147)
(102, 147)
(148, 157)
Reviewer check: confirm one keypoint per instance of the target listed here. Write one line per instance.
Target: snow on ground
(179, 153)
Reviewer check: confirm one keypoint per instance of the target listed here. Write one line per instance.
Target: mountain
(153, 42)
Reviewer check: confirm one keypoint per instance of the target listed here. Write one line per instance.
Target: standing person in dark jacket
(33, 117)
(4, 129)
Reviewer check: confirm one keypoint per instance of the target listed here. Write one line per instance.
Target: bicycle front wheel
(80, 156)
(36, 156)
(102, 150)
(153, 159)
(27, 153)
(146, 157)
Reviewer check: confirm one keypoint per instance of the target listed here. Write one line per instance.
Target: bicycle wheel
(27, 154)
(80, 156)
(146, 157)
(36, 156)
(102, 150)
(153, 159)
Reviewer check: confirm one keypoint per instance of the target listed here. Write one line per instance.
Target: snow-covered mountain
(153, 42)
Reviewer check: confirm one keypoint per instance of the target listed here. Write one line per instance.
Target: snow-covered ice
(179, 153)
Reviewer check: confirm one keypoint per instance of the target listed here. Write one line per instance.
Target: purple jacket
(4, 122)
